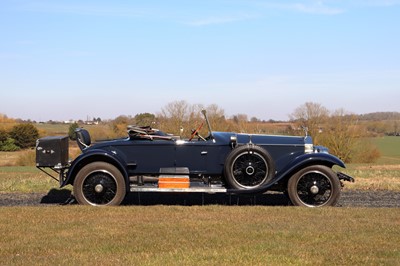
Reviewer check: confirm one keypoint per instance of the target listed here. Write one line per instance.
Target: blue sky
(65, 60)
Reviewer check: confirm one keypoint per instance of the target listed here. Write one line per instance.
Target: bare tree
(174, 115)
(180, 118)
(195, 114)
(338, 131)
(241, 122)
(216, 116)
(312, 116)
(341, 135)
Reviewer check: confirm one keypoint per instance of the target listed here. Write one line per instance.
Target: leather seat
(82, 138)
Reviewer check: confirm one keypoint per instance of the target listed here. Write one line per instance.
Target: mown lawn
(211, 235)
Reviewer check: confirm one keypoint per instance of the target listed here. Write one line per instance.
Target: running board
(209, 190)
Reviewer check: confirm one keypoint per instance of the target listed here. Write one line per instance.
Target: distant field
(62, 129)
(53, 129)
(389, 147)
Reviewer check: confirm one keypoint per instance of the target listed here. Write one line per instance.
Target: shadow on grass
(193, 199)
(64, 196)
(57, 196)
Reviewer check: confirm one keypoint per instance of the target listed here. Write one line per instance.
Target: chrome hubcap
(99, 188)
(250, 170)
(314, 190)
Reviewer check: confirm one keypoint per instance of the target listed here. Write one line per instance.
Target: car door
(148, 156)
(192, 154)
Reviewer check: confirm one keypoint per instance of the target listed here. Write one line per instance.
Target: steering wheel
(195, 132)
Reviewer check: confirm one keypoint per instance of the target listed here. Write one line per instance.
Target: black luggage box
(52, 151)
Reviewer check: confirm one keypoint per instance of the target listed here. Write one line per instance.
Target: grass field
(383, 175)
(53, 129)
(210, 235)
(25, 179)
(390, 149)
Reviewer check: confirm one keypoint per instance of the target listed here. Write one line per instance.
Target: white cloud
(309, 7)
(316, 8)
(379, 3)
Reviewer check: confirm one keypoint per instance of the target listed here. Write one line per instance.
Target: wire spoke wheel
(99, 188)
(248, 167)
(314, 186)
(99, 184)
(314, 189)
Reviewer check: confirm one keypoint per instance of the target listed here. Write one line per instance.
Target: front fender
(310, 159)
(297, 164)
(89, 157)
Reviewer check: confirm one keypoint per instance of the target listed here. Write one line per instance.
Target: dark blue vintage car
(149, 160)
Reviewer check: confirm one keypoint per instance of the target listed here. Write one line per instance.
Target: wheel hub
(99, 188)
(250, 170)
(314, 189)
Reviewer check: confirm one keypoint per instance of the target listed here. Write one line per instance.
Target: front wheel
(314, 186)
(99, 184)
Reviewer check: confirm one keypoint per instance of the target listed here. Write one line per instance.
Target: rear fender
(93, 156)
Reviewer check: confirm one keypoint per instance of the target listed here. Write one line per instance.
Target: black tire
(314, 186)
(99, 184)
(248, 167)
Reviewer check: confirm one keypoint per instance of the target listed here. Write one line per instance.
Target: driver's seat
(82, 138)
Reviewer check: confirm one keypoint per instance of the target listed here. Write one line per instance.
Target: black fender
(311, 159)
(93, 156)
(297, 164)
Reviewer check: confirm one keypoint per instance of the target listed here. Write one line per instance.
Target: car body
(149, 160)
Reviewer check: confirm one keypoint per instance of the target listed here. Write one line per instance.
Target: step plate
(210, 190)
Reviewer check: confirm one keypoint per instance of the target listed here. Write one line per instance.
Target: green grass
(211, 235)
(389, 146)
(25, 179)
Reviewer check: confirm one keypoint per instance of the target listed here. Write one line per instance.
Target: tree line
(345, 134)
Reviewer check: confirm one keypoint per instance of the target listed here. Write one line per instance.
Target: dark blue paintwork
(134, 157)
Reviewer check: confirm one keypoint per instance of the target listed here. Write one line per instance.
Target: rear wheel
(314, 186)
(248, 167)
(99, 184)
